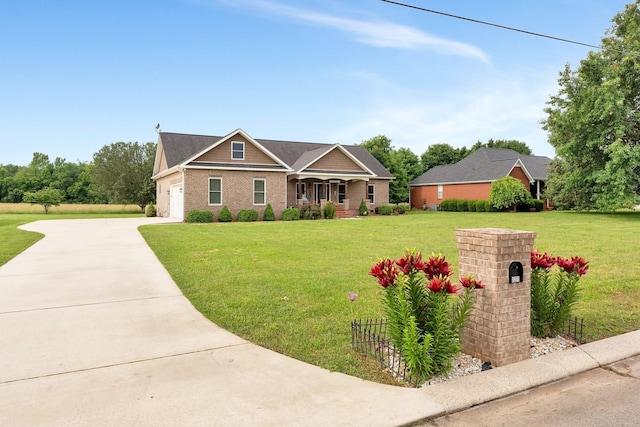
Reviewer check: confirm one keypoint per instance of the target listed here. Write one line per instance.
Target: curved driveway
(93, 331)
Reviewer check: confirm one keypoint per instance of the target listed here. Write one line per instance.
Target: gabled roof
(485, 165)
(180, 149)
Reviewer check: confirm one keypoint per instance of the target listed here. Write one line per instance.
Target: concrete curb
(464, 393)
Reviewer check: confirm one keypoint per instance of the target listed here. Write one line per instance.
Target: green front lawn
(284, 285)
(12, 240)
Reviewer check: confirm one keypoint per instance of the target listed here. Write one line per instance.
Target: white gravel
(466, 365)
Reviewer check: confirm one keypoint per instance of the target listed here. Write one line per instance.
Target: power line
(491, 24)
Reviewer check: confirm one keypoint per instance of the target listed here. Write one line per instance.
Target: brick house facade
(471, 178)
(237, 171)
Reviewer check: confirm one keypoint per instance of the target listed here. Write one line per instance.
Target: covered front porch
(345, 193)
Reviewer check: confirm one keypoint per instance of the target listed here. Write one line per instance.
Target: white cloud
(504, 111)
(375, 33)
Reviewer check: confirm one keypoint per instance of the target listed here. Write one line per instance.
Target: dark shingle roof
(179, 147)
(484, 165)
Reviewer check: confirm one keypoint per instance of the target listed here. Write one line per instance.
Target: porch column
(346, 200)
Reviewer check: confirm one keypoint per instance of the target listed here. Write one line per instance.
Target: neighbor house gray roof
(484, 165)
(179, 147)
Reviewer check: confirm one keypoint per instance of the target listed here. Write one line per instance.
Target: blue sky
(77, 75)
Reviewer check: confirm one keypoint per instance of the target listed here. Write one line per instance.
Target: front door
(321, 192)
(338, 192)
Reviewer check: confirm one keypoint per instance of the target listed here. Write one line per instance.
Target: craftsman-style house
(240, 172)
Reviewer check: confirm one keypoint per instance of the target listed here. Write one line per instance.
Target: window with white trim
(259, 191)
(342, 192)
(215, 191)
(440, 191)
(237, 150)
(371, 193)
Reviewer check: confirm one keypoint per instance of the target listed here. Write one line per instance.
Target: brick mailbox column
(499, 328)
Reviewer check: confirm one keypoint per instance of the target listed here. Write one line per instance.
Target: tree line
(119, 173)
(593, 124)
(405, 166)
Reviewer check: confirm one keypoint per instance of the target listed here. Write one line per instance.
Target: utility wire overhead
(504, 27)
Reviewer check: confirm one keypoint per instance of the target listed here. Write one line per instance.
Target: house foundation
(499, 328)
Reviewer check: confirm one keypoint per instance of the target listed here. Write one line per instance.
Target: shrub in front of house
(291, 214)
(525, 206)
(225, 215)
(310, 211)
(508, 192)
(471, 205)
(268, 214)
(248, 215)
(329, 210)
(452, 205)
(400, 209)
(538, 204)
(385, 210)
(363, 209)
(481, 205)
(150, 210)
(488, 207)
(200, 215)
(463, 205)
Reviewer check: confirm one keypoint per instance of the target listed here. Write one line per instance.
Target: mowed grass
(284, 285)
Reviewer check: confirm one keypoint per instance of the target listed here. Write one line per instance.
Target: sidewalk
(93, 331)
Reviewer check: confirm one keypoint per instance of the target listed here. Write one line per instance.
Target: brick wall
(237, 190)
(499, 326)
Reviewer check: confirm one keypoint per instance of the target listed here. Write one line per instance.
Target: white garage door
(176, 202)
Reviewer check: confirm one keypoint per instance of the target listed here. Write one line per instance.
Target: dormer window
(237, 150)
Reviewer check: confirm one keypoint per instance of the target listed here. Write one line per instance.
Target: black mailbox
(515, 272)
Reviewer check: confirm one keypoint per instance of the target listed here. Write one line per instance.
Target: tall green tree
(511, 144)
(441, 154)
(403, 164)
(121, 172)
(380, 147)
(594, 122)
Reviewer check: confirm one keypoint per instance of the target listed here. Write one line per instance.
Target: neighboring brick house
(471, 177)
(240, 172)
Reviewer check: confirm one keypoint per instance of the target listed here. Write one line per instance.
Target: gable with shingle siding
(221, 153)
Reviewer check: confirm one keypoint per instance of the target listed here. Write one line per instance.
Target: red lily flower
(385, 271)
(539, 260)
(574, 265)
(581, 266)
(437, 266)
(411, 261)
(469, 282)
(439, 283)
(451, 288)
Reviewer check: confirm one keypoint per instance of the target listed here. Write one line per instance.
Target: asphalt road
(608, 396)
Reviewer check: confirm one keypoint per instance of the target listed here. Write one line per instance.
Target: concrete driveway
(93, 331)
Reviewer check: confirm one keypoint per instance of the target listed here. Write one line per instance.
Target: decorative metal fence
(573, 330)
(369, 336)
